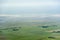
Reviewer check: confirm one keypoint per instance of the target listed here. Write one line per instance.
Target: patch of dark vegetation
(11, 28)
(0, 31)
(45, 26)
(52, 37)
(56, 31)
(15, 29)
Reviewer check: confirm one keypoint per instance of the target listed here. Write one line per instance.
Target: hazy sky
(30, 7)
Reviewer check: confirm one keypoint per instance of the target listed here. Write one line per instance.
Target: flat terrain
(30, 31)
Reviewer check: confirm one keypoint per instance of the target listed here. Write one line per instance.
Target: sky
(29, 8)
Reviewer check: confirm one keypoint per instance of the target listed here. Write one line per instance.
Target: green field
(30, 31)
